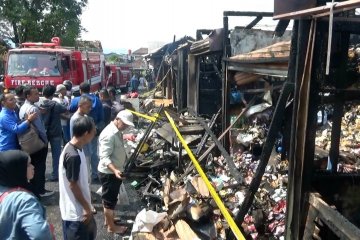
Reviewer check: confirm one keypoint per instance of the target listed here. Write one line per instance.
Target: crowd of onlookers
(85, 135)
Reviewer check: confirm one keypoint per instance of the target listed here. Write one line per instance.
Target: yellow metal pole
(153, 119)
(212, 191)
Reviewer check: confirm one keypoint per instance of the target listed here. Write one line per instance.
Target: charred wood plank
(253, 22)
(341, 62)
(345, 24)
(231, 165)
(297, 171)
(206, 136)
(247, 14)
(225, 105)
(333, 219)
(152, 195)
(190, 130)
(310, 223)
(335, 133)
(320, 11)
(281, 27)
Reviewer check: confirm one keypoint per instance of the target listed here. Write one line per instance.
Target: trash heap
(349, 142)
(266, 217)
(179, 206)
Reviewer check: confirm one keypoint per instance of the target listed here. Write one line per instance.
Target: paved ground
(123, 211)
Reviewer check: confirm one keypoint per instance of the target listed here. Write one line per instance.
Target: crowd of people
(85, 134)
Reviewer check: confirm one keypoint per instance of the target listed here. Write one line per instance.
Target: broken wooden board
(333, 219)
(143, 236)
(167, 133)
(167, 187)
(184, 231)
(200, 186)
(243, 78)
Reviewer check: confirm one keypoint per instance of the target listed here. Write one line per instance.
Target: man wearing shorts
(112, 159)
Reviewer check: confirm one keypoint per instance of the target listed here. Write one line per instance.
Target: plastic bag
(123, 197)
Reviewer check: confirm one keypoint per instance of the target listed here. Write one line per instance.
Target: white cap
(60, 87)
(126, 117)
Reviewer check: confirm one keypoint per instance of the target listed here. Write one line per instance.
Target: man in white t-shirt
(75, 197)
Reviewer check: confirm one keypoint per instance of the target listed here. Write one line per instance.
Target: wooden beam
(320, 11)
(333, 219)
(336, 133)
(310, 223)
(225, 90)
(254, 22)
(295, 184)
(247, 14)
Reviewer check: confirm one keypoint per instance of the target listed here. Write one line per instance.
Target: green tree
(113, 58)
(40, 20)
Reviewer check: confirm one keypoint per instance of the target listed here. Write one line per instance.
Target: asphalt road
(125, 212)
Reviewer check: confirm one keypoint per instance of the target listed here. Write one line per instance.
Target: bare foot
(93, 209)
(116, 222)
(117, 229)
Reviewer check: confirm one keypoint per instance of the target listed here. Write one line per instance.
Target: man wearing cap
(68, 84)
(112, 159)
(63, 99)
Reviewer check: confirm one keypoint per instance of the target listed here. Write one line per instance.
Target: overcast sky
(132, 24)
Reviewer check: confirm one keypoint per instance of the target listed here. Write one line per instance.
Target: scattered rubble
(349, 142)
(179, 206)
(190, 212)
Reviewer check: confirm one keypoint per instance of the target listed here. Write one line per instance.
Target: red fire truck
(117, 76)
(40, 64)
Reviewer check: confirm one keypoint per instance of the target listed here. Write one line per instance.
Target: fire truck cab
(40, 64)
(117, 76)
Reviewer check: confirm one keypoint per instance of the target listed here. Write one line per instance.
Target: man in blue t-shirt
(97, 114)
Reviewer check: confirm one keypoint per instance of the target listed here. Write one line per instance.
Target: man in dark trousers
(52, 121)
(38, 159)
(97, 113)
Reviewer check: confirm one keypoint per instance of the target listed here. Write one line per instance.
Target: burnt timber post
(310, 71)
(225, 85)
